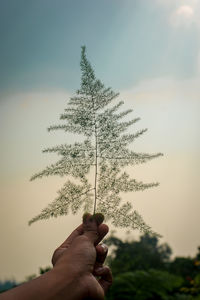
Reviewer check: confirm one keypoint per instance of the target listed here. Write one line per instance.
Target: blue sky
(149, 51)
(127, 41)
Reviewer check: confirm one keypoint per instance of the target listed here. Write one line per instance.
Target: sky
(149, 52)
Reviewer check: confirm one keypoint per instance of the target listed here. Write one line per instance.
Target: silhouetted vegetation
(7, 285)
(144, 270)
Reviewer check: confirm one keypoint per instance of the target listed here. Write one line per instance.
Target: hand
(76, 263)
(81, 257)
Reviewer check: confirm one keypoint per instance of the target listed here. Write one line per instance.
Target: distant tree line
(144, 270)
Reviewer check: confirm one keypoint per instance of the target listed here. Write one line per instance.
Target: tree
(144, 254)
(144, 285)
(104, 152)
(184, 266)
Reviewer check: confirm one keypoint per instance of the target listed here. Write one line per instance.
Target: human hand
(80, 260)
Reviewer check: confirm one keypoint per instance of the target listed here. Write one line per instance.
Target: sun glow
(185, 11)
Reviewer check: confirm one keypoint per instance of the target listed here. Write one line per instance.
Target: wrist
(49, 286)
(67, 284)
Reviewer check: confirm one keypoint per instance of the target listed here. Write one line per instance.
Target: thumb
(90, 226)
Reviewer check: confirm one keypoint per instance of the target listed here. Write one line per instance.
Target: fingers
(101, 251)
(93, 230)
(91, 227)
(102, 230)
(59, 251)
(78, 231)
(106, 277)
(103, 271)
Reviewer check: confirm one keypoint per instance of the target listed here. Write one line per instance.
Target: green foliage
(193, 286)
(142, 285)
(183, 266)
(179, 296)
(143, 270)
(144, 254)
(44, 270)
(103, 154)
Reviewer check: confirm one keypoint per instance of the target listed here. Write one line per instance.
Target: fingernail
(99, 218)
(86, 216)
(105, 248)
(98, 270)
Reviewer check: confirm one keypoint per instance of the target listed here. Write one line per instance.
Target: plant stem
(95, 180)
(96, 160)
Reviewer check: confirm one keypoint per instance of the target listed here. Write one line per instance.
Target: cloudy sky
(149, 51)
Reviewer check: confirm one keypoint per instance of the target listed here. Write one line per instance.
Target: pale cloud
(163, 89)
(182, 13)
(186, 11)
(183, 16)
(159, 100)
